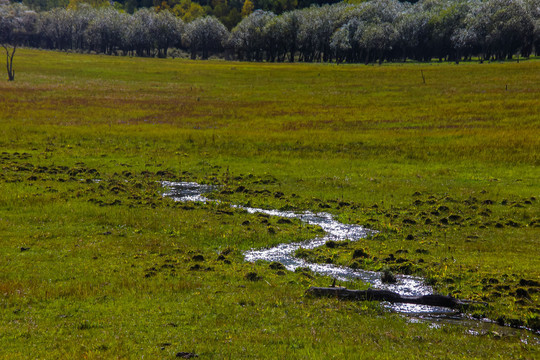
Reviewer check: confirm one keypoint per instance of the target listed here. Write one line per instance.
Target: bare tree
(16, 23)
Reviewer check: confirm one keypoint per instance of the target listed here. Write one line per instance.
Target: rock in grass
(516, 323)
(512, 223)
(534, 322)
(277, 266)
(198, 258)
(331, 244)
(334, 244)
(360, 253)
(388, 277)
(253, 276)
(186, 355)
(525, 282)
(227, 251)
(522, 293)
(195, 267)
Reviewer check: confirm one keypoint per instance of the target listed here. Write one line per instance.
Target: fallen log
(390, 296)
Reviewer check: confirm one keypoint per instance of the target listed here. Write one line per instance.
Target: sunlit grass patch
(96, 263)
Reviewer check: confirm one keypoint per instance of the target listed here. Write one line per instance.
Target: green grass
(111, 269)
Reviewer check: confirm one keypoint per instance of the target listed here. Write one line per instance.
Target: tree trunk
(9, 62)
(291, 54)
(385, 295)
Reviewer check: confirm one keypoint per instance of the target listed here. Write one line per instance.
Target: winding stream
(337, 231)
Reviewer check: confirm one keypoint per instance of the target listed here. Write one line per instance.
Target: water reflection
(334, 230)
(337, 231)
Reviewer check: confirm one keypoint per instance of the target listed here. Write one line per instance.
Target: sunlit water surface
(337, 231)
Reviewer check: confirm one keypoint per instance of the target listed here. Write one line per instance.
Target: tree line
(371, 31)
(228, 12)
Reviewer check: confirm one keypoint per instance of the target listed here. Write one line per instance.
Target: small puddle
(337, 231)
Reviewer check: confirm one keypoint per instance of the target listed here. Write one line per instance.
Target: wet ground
(337, 231)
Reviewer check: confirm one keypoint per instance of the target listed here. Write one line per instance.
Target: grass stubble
(446, 171)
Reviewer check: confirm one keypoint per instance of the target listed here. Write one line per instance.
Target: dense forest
(228, 12)
(371, 31)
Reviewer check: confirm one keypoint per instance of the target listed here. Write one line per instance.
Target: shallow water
(334, 230)
(337, 231)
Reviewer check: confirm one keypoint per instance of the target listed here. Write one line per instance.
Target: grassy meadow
(447, 171)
